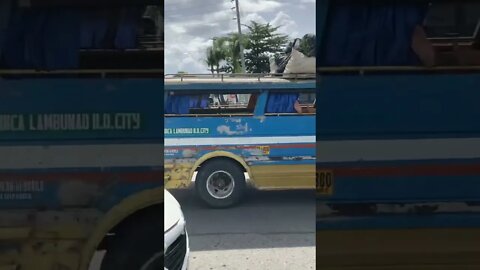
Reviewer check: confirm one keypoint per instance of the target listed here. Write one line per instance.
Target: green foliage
(216, 54)
(307, 45)
(263, 41)
(260, 42)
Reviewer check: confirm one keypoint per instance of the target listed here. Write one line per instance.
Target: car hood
(173, 212)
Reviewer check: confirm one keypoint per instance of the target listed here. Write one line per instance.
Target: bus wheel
(136, 247)
(220, 183)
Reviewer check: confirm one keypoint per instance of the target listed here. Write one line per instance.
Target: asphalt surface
(269, 230)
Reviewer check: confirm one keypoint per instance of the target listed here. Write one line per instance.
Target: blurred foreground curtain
(51, 38)
(5, 11)
(371, 33)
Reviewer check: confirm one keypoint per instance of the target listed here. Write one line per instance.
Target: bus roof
(237, 78)
(239, 82)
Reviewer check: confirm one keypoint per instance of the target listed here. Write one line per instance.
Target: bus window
(281, 103)
(209, 104)
(401, 33)
(453, 28)
(307, 102)
(367, 33)
(58, 37)
(290, 103)
(181, 104)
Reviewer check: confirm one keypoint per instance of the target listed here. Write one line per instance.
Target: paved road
(269, 230)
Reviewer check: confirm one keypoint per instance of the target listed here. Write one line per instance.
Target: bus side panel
(85, 144)
(398, 107)
(279, 150)
(403, 140)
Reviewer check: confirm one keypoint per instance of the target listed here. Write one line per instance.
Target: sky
(190, 26)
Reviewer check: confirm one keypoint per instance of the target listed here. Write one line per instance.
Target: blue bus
(226, 133)
(81, 142)
(398, 162)
(78, 165)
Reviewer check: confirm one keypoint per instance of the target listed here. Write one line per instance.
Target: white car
(176, 249)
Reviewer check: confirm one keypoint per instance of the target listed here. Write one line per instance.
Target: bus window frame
(262, 89)
(228, 91)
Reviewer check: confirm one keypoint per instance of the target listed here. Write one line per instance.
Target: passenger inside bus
(462, 53)
(283, 103)
(369, 33)
(453, 27)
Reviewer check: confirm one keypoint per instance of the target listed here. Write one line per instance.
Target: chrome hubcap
(220, 184)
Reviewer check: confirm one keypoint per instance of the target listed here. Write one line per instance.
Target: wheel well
(224, 159)
(152, 214)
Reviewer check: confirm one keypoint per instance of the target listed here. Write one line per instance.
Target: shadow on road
(265, 219)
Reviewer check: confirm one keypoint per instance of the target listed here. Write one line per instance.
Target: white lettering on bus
(183, 131)
(47, 122)
(12, 122)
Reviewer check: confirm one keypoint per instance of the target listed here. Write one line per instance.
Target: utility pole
(242, 56)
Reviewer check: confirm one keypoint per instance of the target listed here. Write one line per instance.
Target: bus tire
(220, 183)
(136, 247)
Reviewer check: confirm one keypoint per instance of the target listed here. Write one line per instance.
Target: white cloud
(286, 24)
(190, 25)
(253, 17)
(248, 6)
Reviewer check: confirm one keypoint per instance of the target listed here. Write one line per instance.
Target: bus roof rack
(395, 69)
(239, 77)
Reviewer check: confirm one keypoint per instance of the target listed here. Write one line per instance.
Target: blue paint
(261, 104)
(398, 106)
(389, 106)
(88, 96)
(246, 126)
(386, 107)
(47, 96)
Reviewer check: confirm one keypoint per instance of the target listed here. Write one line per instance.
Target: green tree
(232, 46)
(262, 41)
(216, 54)
(307, 45)
(211, 61)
